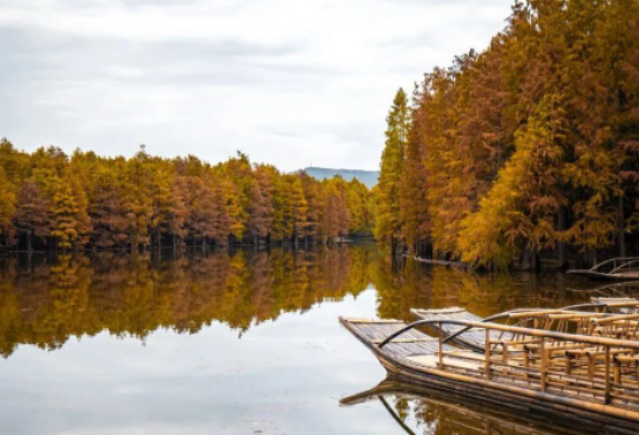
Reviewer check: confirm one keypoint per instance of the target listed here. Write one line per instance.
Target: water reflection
(412, 284)
(418, 410)
(46, 302)
(223, 342)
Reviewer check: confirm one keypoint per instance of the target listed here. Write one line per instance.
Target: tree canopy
(527, 147)
(51, 200)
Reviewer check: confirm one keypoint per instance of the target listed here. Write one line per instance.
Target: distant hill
(367, 177)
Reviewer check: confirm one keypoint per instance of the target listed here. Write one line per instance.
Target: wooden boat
(590, 377)
(461, 413)
(617, 269)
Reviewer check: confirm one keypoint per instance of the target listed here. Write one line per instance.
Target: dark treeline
(528, 149)
(53, 201)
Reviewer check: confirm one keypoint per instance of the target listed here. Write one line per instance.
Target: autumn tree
(177, 210)
(519, 211)
(107, 211)
(32, 218)
(388, 224)
(295, 208)
(7, 207)
(413, 201)
(92, 201)
(358, 204)
(69, 220)
(138, 199)
(202, 219)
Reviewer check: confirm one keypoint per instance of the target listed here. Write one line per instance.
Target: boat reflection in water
(420, 410)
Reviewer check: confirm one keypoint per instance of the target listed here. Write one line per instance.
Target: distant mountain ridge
(369, 178)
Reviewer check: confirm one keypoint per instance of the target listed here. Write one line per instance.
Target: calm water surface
(230, 343)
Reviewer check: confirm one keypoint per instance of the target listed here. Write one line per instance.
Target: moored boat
(552, 371)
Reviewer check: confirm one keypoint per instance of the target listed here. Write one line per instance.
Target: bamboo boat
(615, 269)
(585, 376)
(461, 413)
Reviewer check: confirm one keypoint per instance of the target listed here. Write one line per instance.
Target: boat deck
(413, 344)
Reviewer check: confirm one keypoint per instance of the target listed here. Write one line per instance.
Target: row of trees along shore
(529, 147)
(49, 200)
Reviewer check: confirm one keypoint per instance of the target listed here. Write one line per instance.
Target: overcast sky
(290, 82)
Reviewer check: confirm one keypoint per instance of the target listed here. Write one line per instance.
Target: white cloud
(287, 81)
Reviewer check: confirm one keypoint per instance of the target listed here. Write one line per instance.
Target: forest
(526, 151)
(57, 202)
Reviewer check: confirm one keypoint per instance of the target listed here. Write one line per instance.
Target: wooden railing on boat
(596, 368)
(569, 319)
(622, 324)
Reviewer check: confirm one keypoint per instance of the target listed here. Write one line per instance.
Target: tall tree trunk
(590, 256)
(535, 261)
(134, 246)
(562, 255)
(621, 237)
(29, 241)
(529, 259)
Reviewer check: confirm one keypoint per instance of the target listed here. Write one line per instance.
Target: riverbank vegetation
(529, 147)
(53, 201)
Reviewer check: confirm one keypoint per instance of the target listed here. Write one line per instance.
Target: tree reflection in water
(44, 301)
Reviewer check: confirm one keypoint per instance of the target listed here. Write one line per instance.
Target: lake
(240, 342)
